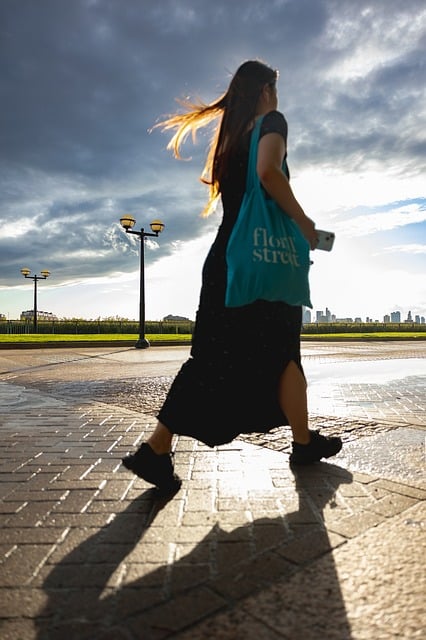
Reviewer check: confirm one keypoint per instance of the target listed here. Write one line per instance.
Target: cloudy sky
(83, 82)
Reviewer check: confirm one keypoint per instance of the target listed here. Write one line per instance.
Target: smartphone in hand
(325, 240)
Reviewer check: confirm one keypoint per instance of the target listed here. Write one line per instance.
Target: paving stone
(79, 520)
(252, 574)
(31, 535)
(199, 553)
(353, 525)
(21, 602)
(178, 613)
(314, 543)
(403, 489)
(30, 515)
(391, 505)
(151, 571)
(237, 625)
(74, 502)
(22, 565)
(35, 496)
(21, 629)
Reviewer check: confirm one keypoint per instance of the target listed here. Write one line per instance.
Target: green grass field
(373, 335)
(46, 338)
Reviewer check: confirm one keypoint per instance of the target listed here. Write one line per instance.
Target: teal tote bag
(267, 256)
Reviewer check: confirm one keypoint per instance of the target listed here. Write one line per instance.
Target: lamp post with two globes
(44, 274)
(128, 222)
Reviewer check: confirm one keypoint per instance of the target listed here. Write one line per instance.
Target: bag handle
(252, 178)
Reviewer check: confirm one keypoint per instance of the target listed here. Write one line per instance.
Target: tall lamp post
(128, 222)
(44, 274)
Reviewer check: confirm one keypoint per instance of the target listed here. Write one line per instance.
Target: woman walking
(244, 373)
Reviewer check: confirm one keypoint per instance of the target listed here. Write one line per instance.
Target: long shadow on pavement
(259, 565)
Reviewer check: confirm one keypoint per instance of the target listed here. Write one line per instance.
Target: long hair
(237, 110)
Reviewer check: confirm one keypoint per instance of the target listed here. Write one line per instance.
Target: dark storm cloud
(84, 80)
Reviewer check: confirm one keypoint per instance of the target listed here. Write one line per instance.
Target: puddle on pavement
(365, 371)
(397, 455)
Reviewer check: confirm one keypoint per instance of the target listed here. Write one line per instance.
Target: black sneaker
(154, 468)
(319, 447)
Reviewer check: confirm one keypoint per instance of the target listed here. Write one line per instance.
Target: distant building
(2, 317)
(409, 317)
(386, 318)
(395, 316)
(323, 317)
(307, 316)
(176, 318)
(41, 315)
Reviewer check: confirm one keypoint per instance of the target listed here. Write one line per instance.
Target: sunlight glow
(412, 249)
(382, 221)
(17, 229)
(326, 191)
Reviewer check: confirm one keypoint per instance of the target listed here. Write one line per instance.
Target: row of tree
(185, 327)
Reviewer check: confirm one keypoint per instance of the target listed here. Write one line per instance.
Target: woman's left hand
(307, 227)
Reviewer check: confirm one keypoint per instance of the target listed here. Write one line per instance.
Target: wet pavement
(247, 548)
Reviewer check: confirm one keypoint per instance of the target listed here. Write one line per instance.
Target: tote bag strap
(252, 178)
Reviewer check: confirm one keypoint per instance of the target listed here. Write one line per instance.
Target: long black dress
(229, 384)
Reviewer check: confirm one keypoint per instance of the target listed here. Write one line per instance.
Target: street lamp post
(44, 274)
(128, 222)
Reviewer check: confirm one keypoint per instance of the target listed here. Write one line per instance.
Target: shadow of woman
(91, 594)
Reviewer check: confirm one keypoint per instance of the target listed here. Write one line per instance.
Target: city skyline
(394, 317)
(315, 315)
(79, 149)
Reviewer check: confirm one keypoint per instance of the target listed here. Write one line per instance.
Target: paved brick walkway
(247, 549)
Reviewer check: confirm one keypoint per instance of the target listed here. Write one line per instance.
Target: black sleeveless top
(233, 185)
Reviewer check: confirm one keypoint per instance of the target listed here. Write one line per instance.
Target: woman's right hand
(307, 227)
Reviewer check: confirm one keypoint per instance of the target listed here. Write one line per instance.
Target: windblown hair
(237, 110)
